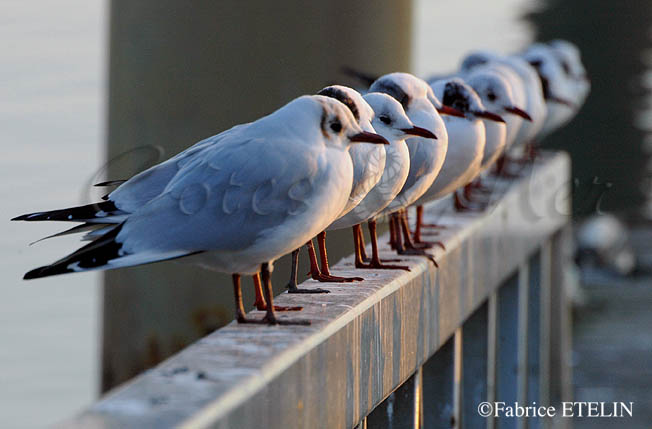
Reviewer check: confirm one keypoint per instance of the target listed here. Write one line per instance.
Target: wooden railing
(404, 349)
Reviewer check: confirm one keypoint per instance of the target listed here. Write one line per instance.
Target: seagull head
(554, 81)
(362, 112)
(339, 127)
(457, 94)
(570, 58)
(413, 93)
(494, 92)
(390, 119)
(475, 59)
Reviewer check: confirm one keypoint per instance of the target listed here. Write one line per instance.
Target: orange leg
(260, 303)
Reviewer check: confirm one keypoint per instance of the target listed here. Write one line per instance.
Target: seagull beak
(368, 137)
(560, 100)
(418, 131)
(518, 112)
(488, 115)
(446, 110)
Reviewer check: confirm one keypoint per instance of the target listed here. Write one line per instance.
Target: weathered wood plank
(366, 338)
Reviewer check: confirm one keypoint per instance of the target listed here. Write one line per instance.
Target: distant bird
(526, 91)
(496, 95)
(233, 203)
(570, 58)
(426, 155)
(558, 88)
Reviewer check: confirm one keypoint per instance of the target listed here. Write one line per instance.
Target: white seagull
(526, 91)
(368, 167)
(558, 89)
(426, 155)
(234, 205)
(390, 121)
(496, 95)
(466, 140)
(570, 59)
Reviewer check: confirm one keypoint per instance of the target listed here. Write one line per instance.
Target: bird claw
(430, 244)
(365, 262)
(422, 244)
(419, 252)
(380, 266)
(261, 306)
(327, 278)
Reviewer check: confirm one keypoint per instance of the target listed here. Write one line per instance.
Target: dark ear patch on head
(473, 61)
(322, 123)
(392, 89)
(343, 98)
(454, 96)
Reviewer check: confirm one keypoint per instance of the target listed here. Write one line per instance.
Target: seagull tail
(102, 254)
(102, 212)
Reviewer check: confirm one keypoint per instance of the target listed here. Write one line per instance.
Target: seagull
(426, 155)
(234, 204)
(496, 95)
(368, 165)
(390, 121)
(558, 90)
(466, 140)
(569, 56)
(526, 90)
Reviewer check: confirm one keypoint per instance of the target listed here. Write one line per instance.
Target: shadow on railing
(425, 348)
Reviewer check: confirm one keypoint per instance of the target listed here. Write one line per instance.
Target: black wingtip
(74, 214)
(45, 271)
(110, 183)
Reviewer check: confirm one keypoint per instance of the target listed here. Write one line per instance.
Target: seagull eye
(491, 96)
(336, 126)
(566, 68)
(385, 120)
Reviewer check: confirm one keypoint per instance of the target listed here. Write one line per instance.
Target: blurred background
(98, 90)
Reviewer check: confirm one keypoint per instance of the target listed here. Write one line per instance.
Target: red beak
(421, 132)
(518, 112)
(367, 137)
(446, 110)
(488, 115)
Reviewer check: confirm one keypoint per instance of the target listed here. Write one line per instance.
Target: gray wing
(148, 184)
(420, 163)
(226, 197)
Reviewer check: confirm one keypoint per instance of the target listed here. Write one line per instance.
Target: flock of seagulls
(239, 200)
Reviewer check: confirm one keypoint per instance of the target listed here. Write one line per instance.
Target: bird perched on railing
(466, 137)
(233, 203)
(368, 165)
(237, 201)
(426, 155)
(496, 95)
(390, 121)
(525, 86)
(558, 88)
